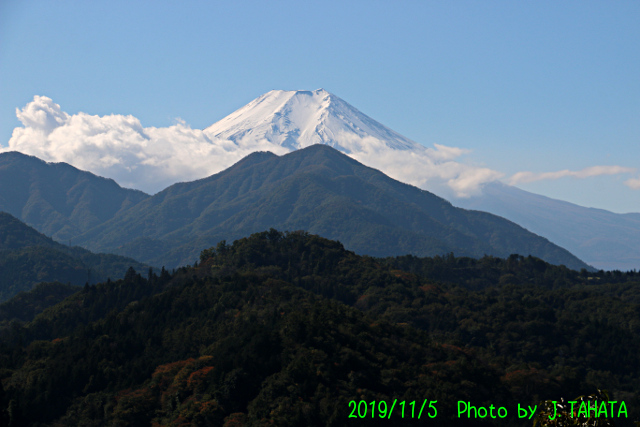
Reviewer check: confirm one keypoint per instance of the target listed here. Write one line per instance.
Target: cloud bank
(526, 177)
(430, 169)
(119, 147)
(633, 183)
(150, 159)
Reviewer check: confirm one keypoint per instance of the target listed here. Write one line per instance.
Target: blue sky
(527, 86)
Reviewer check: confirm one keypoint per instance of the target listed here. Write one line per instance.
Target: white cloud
(525, 177)
(633, 183)
(430, 169)
(442, 152)
(469, 181)
(150, 159)
(42, 114)
(119, 147)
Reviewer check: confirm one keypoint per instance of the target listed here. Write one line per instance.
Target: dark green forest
(28, 304)
(58, 199)
(317, 189)
(287, 329)
(28, 257)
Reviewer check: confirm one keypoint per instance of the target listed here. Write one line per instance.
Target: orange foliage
(172, 368)
(181, 422)
(237, 419)
(402, 275)
(122, 393)
(198, 377)
(452, 347)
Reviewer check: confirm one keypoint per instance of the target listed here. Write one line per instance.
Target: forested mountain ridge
(26, 305)
(15, 234)
(317, 189)
(288, 328)
(27, 257)
(56, 198)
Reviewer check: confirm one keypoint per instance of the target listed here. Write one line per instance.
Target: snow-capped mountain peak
(297, 119)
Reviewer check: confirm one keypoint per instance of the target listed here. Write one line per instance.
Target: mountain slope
(28, 257)
(286, 329)
(320, 190)
(64, 202)
(27, 304)
(58, 199)
(298, 119)
(601, 238)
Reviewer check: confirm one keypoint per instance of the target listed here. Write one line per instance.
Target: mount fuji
(282, 121)
(292, 120)
(279, 121)
(298, 119)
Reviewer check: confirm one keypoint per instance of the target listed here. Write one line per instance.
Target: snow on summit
(289, 120)
(149, 158)
(298, 119)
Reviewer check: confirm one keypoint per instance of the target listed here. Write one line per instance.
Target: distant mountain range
(286, 328)
(298, 119)
(69, 204)
(78, 207)
(58, 199)
(601, 238)
(317, 189)
(27, 257)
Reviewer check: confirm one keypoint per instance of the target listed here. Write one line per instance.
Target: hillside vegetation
(317, 189)
(287, 328)
(58, 199)
(28, 257)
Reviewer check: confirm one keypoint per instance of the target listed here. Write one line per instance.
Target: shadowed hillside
(289, 328)
(320, 190)
(56, 198)
(28, 257)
